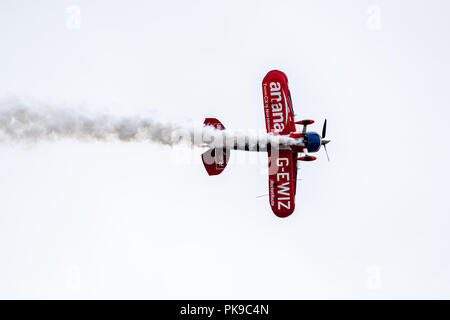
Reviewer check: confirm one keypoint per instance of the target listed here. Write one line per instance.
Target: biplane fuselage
(284, 155)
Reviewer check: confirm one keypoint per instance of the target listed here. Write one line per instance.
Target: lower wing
(282, 181)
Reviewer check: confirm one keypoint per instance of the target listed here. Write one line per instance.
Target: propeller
(325, 141)
(326, 152)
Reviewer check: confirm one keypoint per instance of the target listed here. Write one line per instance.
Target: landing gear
(307, 157)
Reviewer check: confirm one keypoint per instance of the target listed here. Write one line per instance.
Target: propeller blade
(325, 147)
(324, 129)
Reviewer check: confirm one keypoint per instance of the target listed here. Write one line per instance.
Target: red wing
(215, 159)
(282, 182)
(277, 103)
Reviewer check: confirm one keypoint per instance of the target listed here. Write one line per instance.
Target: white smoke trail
(24, 120)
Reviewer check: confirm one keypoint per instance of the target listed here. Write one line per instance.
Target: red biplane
(284, 156)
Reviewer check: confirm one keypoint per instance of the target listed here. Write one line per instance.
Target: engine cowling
(313, 141)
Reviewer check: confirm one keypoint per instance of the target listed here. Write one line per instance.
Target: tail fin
(215, 159)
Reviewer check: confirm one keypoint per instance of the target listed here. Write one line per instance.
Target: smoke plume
(24, 120)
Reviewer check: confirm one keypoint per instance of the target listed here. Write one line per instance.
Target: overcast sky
(139, 220)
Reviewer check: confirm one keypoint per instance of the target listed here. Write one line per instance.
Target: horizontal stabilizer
(215, 159)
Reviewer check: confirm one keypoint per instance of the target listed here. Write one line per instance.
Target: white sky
(93, 220)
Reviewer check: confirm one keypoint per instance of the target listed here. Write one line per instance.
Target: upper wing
(277, 103)
(282, 182)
